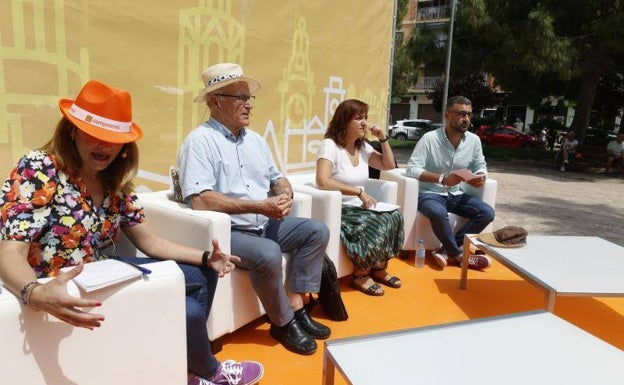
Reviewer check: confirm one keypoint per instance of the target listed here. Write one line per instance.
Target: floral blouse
(52, 210)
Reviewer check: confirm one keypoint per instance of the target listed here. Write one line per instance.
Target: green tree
(425, 46)
(473, 87)
(404, 71)
(543, 47)
(537, 48)
(609, 101)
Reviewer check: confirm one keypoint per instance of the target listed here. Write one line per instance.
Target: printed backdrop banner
(308, 55)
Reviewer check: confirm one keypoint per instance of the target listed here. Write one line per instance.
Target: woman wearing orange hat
(63, 204)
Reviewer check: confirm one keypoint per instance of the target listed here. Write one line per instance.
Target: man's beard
(460, 127)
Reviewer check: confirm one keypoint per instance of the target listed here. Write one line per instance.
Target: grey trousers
(306, 240)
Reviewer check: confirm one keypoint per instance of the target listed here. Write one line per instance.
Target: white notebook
(383, 207)
(380, 207)
(107, 272)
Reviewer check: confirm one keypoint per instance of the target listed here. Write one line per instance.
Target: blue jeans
(200, 290)
(436, 207)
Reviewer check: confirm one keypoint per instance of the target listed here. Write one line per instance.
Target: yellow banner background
(308, 55)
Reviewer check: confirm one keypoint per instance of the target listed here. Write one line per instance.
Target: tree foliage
(404, 72)
(426, 47)
(474, 87)
(609, 101)
(535, 48)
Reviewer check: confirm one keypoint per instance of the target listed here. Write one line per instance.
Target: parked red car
(506, 136)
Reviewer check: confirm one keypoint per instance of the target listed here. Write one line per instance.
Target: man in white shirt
(615, 153)
(226, 167)
(435, 156)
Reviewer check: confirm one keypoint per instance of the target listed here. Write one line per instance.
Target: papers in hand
(104, 273)
(466, 175)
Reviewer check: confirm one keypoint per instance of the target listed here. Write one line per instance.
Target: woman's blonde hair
(117, 177)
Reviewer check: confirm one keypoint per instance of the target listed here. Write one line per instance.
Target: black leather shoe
(294, 338)
(315, 329)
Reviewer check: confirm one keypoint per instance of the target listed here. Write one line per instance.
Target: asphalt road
(544, 200)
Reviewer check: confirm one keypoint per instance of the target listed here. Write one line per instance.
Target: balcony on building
(433, 11)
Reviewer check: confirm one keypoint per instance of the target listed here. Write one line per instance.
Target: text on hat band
(99, 121)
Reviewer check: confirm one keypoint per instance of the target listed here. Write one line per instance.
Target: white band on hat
(99, 121)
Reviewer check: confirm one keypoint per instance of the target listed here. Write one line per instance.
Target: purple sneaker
(196, 380)
(238, 373)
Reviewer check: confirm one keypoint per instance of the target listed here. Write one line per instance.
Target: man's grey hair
(457, 100)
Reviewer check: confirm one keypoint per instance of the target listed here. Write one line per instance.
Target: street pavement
(544, 200)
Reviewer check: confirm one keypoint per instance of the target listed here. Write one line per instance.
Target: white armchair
(419, 226)
(327, 206)
(235, 303)
(142, 340)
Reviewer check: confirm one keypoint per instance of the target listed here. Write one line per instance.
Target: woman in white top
(370, 238)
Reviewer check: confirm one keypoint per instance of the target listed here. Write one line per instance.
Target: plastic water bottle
(420, 254)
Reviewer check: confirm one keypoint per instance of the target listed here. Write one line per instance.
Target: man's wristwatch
(441, 179)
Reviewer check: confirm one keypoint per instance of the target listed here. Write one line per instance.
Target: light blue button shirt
(212, 158)
(435, 153)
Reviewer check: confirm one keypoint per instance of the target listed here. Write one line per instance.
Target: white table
(561, 265)
(518, 349)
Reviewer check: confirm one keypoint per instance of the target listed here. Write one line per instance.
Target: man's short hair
(457, 100)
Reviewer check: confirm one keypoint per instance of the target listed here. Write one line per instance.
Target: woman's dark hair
(344, 113)
(117, 177)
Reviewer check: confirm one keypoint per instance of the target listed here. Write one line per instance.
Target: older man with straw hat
(226, 167)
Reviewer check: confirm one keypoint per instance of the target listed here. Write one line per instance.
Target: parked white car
(411, 129)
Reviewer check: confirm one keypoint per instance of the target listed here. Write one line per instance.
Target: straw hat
(103, 112)
(222, 74)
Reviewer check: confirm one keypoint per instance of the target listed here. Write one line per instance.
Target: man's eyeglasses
(462, 114)
(240, 98)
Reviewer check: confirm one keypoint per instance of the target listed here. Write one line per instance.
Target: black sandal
(393, 282)
(372, 290)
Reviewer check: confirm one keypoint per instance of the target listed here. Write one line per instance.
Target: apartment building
(433, 14)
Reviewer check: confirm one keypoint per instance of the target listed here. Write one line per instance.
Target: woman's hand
(52, 297)
(377, 132)
(367, 200)
(220, 262)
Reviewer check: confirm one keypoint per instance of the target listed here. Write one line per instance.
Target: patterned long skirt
(370, 238)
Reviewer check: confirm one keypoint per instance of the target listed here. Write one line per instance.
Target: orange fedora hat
(103, 112)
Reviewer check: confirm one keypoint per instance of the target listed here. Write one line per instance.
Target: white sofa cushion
(144, 329)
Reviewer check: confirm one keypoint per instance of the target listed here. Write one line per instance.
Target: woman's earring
(124, 155)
